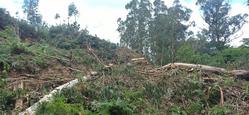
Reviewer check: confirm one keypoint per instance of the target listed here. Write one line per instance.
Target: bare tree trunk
(239, 74)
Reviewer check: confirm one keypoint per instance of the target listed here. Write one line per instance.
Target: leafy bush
(229, 57)
(7, 97)
(114, 107)
(219, 110)
(59, 107)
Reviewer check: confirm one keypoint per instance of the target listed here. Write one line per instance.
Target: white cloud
(99, 20)
(12, 7)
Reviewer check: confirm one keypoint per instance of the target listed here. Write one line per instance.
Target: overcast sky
(100, 16)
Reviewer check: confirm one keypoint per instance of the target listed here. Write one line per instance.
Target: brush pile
(137, 87)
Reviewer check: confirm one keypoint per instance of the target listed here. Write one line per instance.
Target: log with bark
(239, 74)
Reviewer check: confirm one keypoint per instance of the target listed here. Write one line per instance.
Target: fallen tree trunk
(32, 109)
(239, 74)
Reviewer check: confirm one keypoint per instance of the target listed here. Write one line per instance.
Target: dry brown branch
(29, 75)
(95, 56)
(73, 69)
(221, 97)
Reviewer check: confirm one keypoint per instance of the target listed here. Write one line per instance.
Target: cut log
(239, 74)
(137, 59)
(195, 66)
(32, 110)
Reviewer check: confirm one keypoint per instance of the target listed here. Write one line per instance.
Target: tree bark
(239, 74)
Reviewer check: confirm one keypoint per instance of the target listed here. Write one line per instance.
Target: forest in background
(53, 55)
(158, 31)
(161, 33)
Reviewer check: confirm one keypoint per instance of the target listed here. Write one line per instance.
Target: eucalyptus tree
(30, 7)
(144, 19)
(221, 26)
(128, 28)
(169, 29)
(159, 32)
(72, 11)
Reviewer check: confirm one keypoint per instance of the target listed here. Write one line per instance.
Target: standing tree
(168, 30)
(134, 31)
(30, 7)
(221, 26)
(144, 19)
(158, 37)
(57, 16)
(72, 11)
(128, 28)
(159, 32)
(177, 29)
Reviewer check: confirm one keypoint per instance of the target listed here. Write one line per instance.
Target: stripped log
(137, 59)
(196, 66)
(239, 74)
(32, 110)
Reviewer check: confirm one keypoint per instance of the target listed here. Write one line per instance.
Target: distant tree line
(162, 33)
(64, 35)
(158, 31)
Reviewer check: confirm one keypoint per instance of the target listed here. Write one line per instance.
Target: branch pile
(239, 74)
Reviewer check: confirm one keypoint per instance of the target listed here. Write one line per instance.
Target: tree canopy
(221, 26)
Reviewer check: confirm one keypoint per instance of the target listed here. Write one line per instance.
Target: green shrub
(219, 110)
(247, 88)
(7, 100)
(175, 110)
(115, 107)
(7, 97)
(59, 107)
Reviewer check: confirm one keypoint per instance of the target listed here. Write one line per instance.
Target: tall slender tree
(128, 28)
(57, 16)
(159, 32)
(134, 30)
(178, 14)
(144, 19)
(30, 7)
(73, 11)
(168, 30)
(221, 26)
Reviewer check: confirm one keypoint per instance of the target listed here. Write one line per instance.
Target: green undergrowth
(177, 93)
(27, 57)
(21, 56)
(32, 57)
